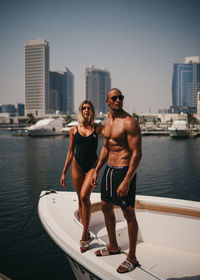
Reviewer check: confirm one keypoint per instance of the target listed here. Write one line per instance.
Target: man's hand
(123, 189)
(94, 179)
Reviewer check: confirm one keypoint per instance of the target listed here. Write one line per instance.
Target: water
(169, 168)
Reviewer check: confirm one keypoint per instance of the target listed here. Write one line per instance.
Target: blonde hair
(80, 113)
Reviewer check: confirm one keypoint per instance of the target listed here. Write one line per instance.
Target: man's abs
(119, 157)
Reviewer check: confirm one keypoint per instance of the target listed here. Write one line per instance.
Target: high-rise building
(36, 77)
(98, 82)
(62, 91)
(186, 84)
(20, 109)
(198, 103)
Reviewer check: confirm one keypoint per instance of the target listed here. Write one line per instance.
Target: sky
(138, 41)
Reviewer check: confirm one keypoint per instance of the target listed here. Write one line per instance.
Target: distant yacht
(66, 129)
(47, 127)
(179, 128)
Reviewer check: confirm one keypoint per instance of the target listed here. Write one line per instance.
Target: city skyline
(137, 41)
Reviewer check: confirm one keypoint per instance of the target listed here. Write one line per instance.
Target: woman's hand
(62, 180)
(94, 179)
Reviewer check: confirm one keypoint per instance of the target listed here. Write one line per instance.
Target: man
(122, 150)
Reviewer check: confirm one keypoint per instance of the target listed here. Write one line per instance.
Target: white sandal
(128, 265)
(84, 244)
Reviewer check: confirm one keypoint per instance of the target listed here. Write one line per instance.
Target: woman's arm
(69, 156)
(102, 159)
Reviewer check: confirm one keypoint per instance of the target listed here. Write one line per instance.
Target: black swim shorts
(112, 178)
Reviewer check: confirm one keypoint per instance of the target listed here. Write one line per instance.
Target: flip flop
(104, 252)
(128, 266)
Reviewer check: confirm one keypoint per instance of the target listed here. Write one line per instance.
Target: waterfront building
(97, 83)
(185, 85)
(8, 108)
(20, 109)
(61, 95)
(36, 77)
(198, 104)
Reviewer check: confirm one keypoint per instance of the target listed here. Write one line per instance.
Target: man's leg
(129, 214)
(110, 222)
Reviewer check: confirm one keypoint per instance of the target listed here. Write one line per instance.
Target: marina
(169, 168)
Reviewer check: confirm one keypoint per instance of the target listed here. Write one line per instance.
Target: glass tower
(98, 82)
(185, 85)
(62, 90)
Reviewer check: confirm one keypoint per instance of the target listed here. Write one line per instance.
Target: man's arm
(135, 145)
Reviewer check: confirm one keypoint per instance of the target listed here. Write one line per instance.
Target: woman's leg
(86, 204)
(78, 177)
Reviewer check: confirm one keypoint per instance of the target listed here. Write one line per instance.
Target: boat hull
(168, 240)
(179, 133)
(80, 272)
(44, 132)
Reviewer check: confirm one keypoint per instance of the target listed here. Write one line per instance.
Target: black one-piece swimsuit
(86, 149)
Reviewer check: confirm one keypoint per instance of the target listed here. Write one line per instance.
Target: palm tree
(30, 118)
(191, 119)
(135, 116)
(68, 118)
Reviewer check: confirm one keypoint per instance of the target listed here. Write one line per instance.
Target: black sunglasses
(85, 108)
(114, 98)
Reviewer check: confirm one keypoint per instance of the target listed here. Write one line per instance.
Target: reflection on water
(168, 168)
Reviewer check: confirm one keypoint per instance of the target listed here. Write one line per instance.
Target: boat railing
(153, 206)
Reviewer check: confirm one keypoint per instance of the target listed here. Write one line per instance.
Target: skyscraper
(98, 82)
(36, 77)
(198, 104)
(62, 91)
(186, 84)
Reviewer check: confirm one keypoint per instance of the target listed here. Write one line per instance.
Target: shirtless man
(122, 151)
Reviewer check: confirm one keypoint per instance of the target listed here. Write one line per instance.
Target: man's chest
(115, 131)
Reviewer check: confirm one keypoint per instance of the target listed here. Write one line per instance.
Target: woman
(82, 153)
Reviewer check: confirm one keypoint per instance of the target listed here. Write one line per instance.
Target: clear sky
(136, 40)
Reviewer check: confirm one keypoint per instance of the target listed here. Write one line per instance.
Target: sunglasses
(85, 108)
(120, 97)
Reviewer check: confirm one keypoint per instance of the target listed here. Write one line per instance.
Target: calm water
(169, 168)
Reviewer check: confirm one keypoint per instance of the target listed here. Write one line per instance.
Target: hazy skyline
(137, 41)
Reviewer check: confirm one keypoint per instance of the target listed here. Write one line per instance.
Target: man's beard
(117, 110)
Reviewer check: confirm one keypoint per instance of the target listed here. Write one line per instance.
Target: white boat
(179, 128)
(168, 244)
(47, 127)
(66, 129)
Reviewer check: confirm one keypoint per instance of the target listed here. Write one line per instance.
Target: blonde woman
(83, 155)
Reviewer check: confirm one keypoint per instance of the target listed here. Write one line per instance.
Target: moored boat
(20, 132)
(168, 244)
(179, 128)
(47, 127)
(66, 129)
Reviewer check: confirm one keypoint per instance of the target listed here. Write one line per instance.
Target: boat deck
(157, 262)
(160, 261)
